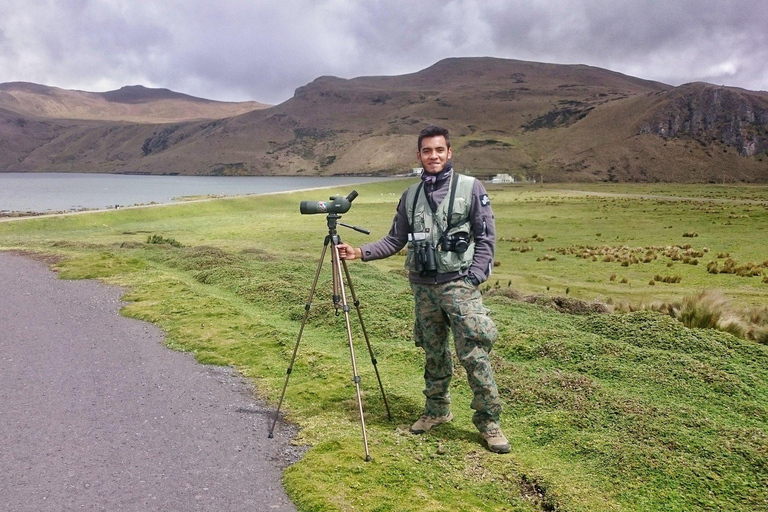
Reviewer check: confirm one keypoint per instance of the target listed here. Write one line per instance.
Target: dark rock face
(162, 140)
(715, 114)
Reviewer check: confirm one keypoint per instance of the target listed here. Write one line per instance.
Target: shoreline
(10, 216)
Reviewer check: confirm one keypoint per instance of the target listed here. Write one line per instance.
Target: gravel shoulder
(97, 414)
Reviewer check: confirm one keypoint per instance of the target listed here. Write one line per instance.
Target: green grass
(604, 412)
(569, 221)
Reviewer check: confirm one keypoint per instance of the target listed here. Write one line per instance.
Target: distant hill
(533, 120)
(134, 103)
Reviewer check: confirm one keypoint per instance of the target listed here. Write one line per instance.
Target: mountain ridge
(533, 120)
(133, 103)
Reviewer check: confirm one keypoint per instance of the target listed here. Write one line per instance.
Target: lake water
(43, 192)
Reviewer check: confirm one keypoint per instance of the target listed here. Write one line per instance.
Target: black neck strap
(454, 180)
(415, 200)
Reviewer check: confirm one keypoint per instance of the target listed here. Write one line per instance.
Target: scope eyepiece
(337, 204)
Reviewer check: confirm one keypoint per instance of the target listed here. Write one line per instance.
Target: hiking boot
(496, 441)
(427, 423)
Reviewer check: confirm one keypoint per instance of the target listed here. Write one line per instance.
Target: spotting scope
(337, 204)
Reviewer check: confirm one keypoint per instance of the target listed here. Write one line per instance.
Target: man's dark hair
(434, 131)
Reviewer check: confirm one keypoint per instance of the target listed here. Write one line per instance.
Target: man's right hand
(347, 252)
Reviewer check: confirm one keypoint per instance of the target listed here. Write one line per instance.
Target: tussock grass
(710, 309)
(730, 266)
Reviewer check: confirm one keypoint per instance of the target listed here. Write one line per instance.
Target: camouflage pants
(457, 305)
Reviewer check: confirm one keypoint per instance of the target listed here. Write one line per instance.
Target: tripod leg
(301, 331)
(337, 283)
(356, 378)
(365, 335)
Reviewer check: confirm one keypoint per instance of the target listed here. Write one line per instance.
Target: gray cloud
(263, 50)
(674, 42)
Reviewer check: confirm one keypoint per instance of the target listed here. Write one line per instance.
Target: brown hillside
(557, 122)
(367, 124)
(20, 136)
(136, 104)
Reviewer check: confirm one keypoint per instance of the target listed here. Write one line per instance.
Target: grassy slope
(629, 412)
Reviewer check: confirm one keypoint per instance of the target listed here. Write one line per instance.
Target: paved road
(96, 414)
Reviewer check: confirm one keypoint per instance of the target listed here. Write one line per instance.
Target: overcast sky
(263, 50)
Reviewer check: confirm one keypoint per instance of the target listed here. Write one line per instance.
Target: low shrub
(158, 239)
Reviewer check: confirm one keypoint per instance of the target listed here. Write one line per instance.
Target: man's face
(434, 154)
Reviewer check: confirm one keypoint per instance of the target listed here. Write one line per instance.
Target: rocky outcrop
(711, 114)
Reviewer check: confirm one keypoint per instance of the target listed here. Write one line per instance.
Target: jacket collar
(434, 178)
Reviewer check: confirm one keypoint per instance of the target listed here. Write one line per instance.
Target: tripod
(339, 300)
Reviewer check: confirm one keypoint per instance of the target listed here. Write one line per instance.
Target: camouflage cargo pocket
(475, 324)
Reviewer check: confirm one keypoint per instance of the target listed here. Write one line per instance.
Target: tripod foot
(368, 458)
(270, 436)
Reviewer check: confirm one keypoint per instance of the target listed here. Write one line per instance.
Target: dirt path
(96, 414)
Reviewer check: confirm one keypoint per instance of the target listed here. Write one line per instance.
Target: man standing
(447, 222)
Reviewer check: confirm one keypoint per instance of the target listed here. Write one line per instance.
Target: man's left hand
(347, 252)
